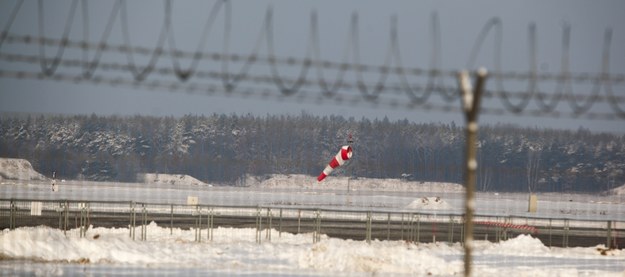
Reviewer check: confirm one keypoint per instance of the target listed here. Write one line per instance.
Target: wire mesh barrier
(76, 218)
(110, 63)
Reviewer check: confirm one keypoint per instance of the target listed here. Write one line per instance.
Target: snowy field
(43, 251)
(369, 194)
(234, 252)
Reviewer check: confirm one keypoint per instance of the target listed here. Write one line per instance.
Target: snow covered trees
(223, 148)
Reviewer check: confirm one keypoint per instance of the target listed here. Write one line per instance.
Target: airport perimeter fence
(418, 227)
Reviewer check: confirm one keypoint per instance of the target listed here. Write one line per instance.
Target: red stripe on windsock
(321, 177)
(334, 163)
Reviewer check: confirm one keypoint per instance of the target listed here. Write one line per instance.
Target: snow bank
(278, 181)
(231, 249)
(237, 250)
(168, 179)
(617, 191)
(18, 169)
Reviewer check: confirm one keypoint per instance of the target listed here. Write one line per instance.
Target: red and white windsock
(344, 154)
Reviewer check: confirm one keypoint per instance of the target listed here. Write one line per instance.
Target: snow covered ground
(42, 251)
(234, 252)
(304, 191)
(385, 195)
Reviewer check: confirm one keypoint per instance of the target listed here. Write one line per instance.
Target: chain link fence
(76, 218)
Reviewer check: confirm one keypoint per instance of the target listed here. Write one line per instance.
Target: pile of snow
(618, 190)
(168, 179)
(525, 244)
(279, 181)
(18, 169)
(429, 203)
(236, 250)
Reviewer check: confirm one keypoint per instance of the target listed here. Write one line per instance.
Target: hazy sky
(460, 25)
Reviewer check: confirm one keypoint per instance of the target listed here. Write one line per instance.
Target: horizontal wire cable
(514, 102)
(305, 96)
(582, 77)
(397, 89)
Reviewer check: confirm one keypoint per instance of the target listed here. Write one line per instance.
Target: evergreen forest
(224, 149)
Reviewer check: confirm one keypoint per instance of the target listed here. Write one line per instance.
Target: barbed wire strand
(185, 74)
(328, 91)
(312, 57)
(268, 94)
(398, 89)
(510, 75)
(274, 69)
(10, 20)
(46, 68)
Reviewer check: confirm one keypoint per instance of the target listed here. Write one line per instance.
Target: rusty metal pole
(470, 106)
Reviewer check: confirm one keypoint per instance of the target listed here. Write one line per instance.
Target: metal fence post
(418, 238)
(402, 226)
(12, 212)
(505, 229)
(498, 231)
(80, 221)
(388, 227)
(66, 218)
(434, 232)
(209, 231)
(406, 232)
(315, 221)
(317, 227)
(259, 224)
(609, 235)
(198, 224)
(550, 232)
(268, 230)
(470, 104)
(84, 216)
(450, 230)
(299, 220)
(414, 228)
(60, 210)
(462, 230)
(133, 220)
(171, 220)
(565, 237)
(280, 224)
(368, 234)
(144, 227)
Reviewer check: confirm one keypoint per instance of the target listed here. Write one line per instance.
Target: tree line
(224, 149)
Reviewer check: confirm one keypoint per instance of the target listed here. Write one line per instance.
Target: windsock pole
(350, 140)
